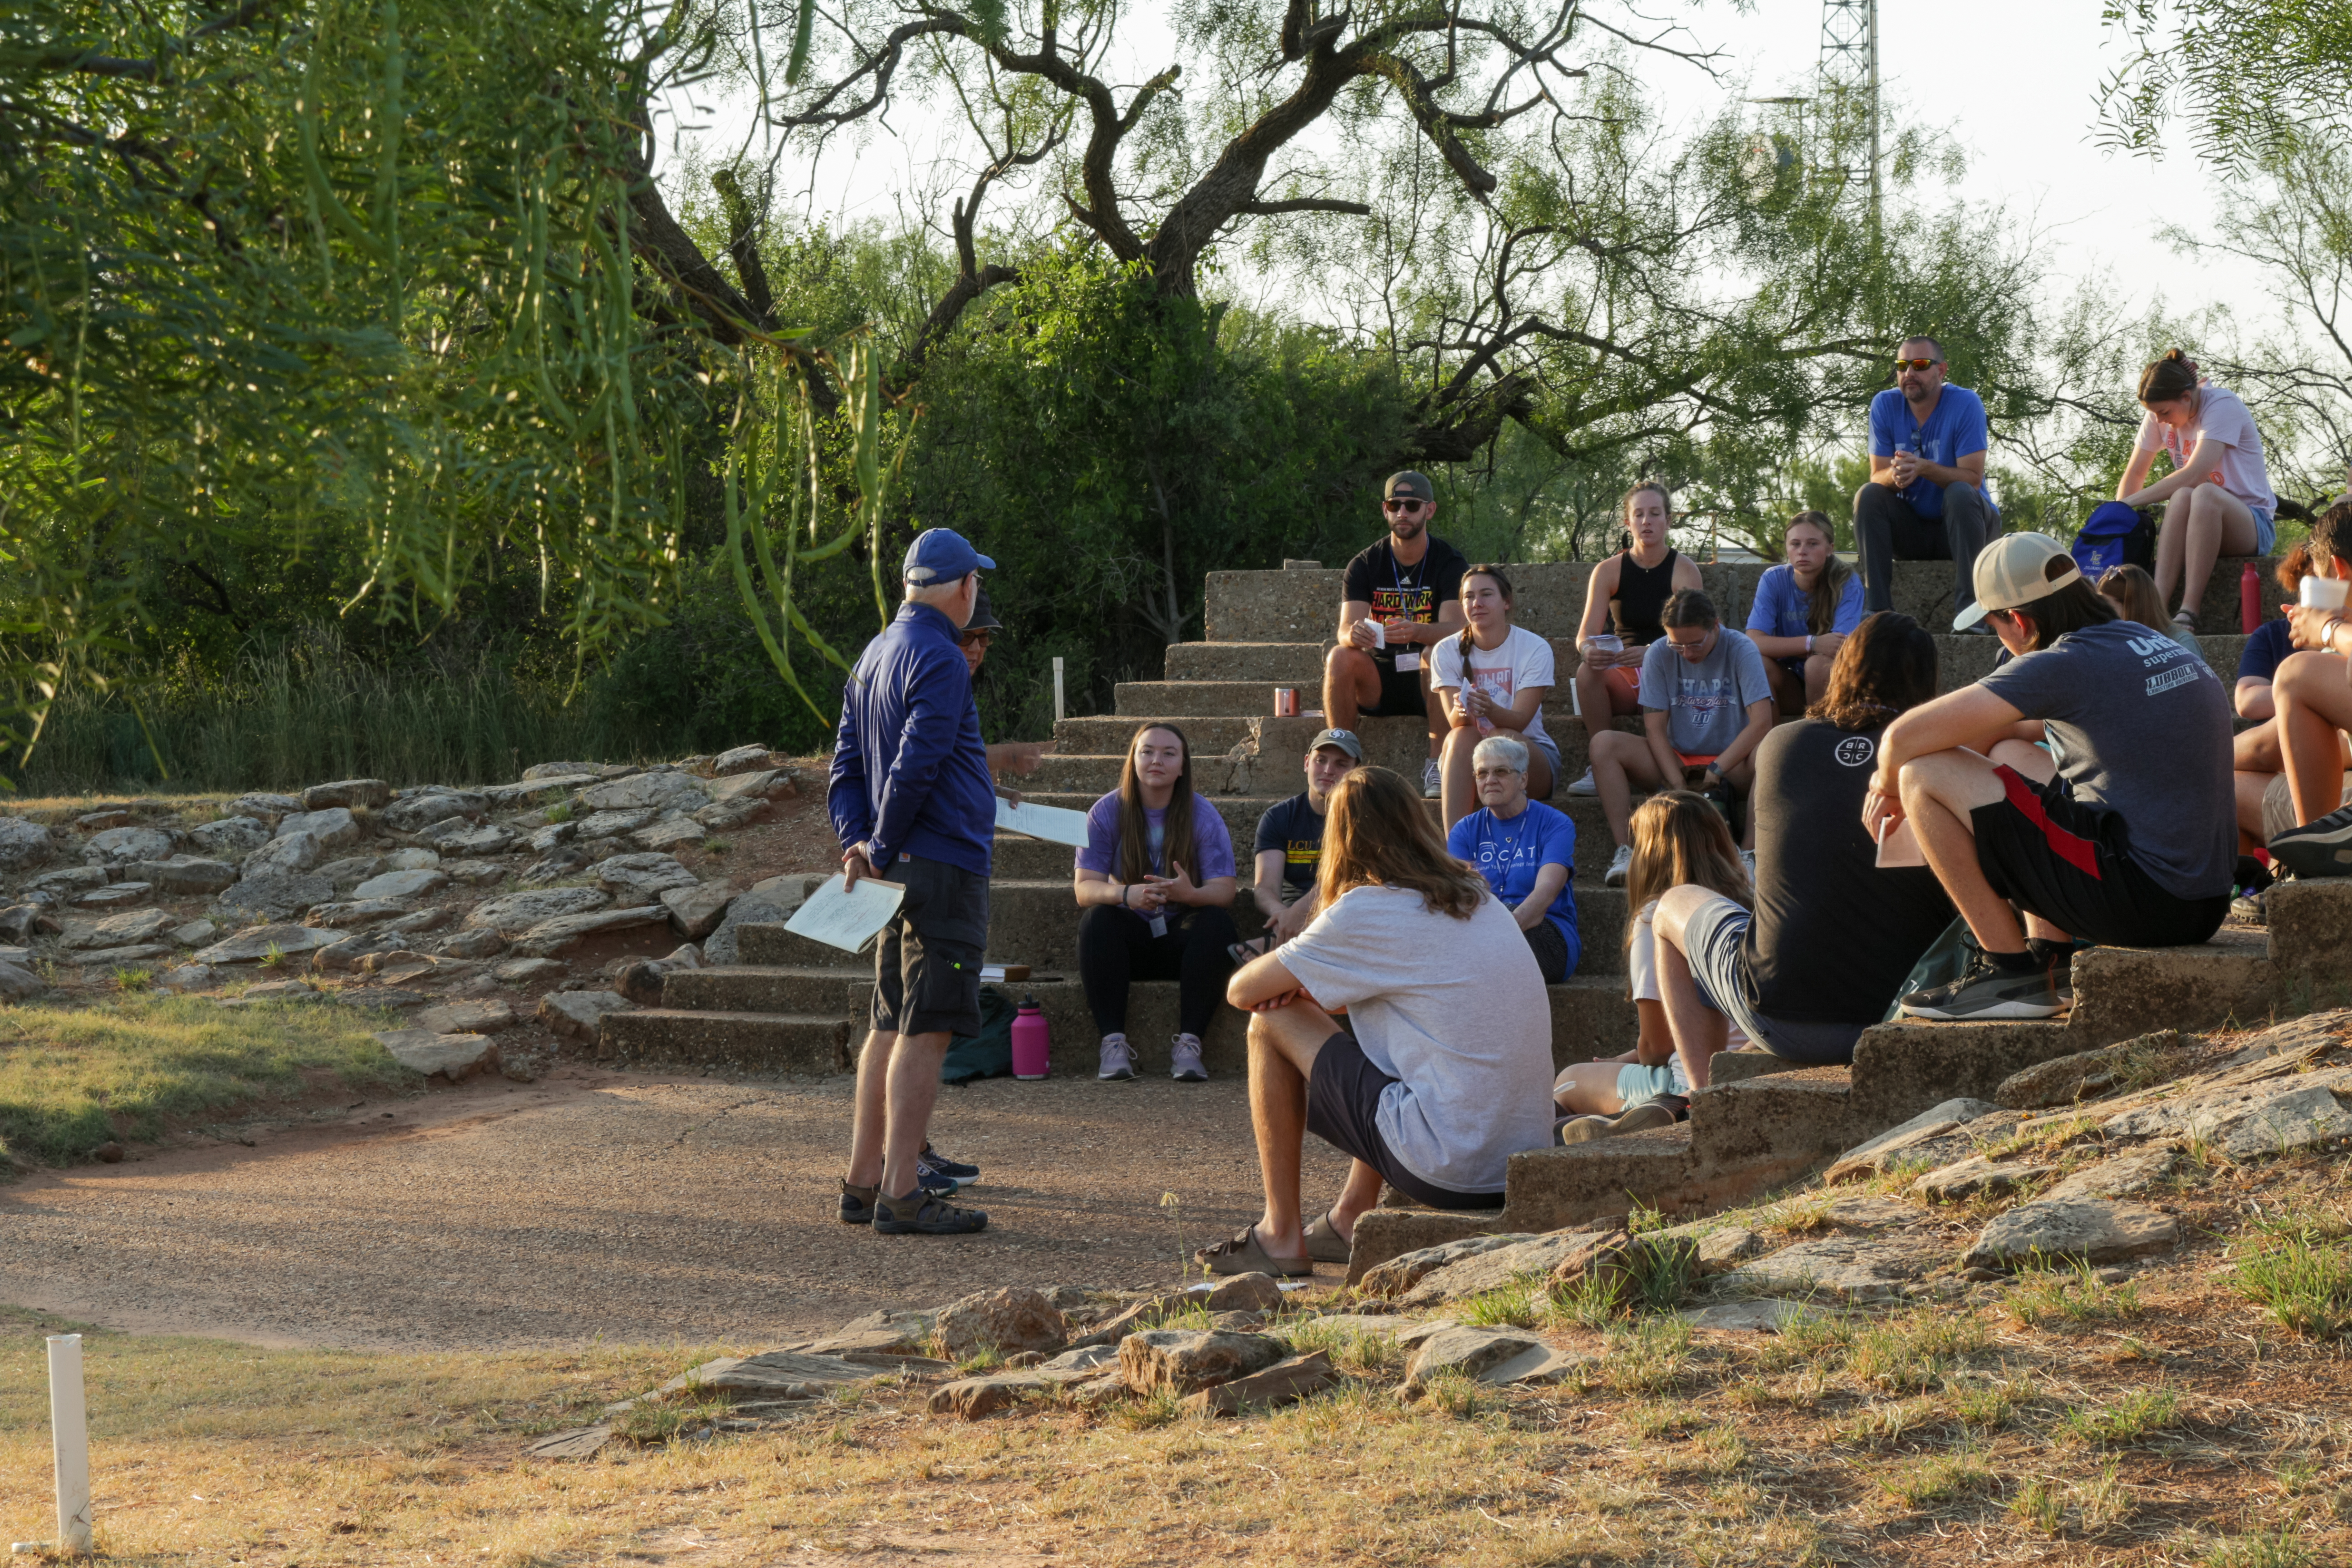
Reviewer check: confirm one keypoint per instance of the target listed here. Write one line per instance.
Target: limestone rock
(551, 938)
(614, 824)
(280, 991)
(72, 879)
(184, 874)
(256, 943)
(121, 957)
(479, 942)
(275, 897)
(579, 1014)
(121, 930)
(726, 815)
(266, 807)
(757, 784)
(1245, 1293)
(1609, 1264)
(121, 846)
(973, 1397)
(186, 977)
(1283, 1383)
(669, 834)
(512, 914)
(17, 983)
(774, 1375)
(1009, 1320)
(2304, 1116)
(738, 760)
(553, 835)
(1875, 1155)
(414, 813)
(1977, 1174)
(2065, 1080)
(1129, 1319)
(1847, 1267)
(453, 1057)
(1768, 1316)
(643, 792)
(2097, 1230)
(538, 771)
(1494, 1268)
(231, 838)
(115, 894)
(364, 793)
(356, 913)
(18, 922)
(2248, 1120)
(105, 817)
(695, 912)
(2121, 1176)
(1860, 1212)
(579, 1443)
(1727, 1248)
(195, 933)
(1402, 1272)
(431, 918)
(1188, 1361)
(23, 846)
(284, 855)
(529, 970)
(352, 950)
(401, 884)
(642, 878)
(1465, 1349)
(334, 828)
(768, 902)
(347, 871)
(467, 1018)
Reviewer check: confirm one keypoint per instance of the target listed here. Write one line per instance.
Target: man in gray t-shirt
(1707, 705)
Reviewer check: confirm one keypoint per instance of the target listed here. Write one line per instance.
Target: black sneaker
(1986, 991)
(947, 1167)
(921, 1213)
(857, 1204)
(2058, 957)
(2321, 849)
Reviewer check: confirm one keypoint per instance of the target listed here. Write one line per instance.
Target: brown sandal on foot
(1242, 1254)
(1324, 1243)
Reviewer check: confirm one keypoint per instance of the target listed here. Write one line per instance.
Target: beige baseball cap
(2014, 570)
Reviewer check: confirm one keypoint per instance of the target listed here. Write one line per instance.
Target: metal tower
(1850, 79)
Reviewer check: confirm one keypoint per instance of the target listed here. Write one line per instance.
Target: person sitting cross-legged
(1440, 1070)
(1526, 852)
(2126, 838)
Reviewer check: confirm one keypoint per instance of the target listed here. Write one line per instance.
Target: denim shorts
(2265, 530)
(1636, 1083)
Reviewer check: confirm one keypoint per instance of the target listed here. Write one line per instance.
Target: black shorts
(1401, 696)
(927, 960)
(1343, 1105)
(2063, 860)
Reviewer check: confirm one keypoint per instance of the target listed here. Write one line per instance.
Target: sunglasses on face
(979, 640)
(1406, 505)
(1902, 365)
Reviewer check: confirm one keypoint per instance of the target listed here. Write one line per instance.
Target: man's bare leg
(1939, 791)
(897, 1084)
(1361, 1193)
(1434, 708)
(871, 1116)
(1282, 1046)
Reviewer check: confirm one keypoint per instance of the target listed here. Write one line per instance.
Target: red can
(1285, 702)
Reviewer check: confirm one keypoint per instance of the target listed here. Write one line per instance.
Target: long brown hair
(1135, 833)
(2069, 609)
(2331, 531)
(1678, 837)
(2133, 593)
(1502, 586)
(1887, 667)
(1377, 832)
(2173, 376)
(1820, 614)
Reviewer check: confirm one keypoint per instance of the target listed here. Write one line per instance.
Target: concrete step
(740, 1042)
(832, 992)
(1800, 1114)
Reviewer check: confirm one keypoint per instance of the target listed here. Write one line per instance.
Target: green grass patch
(2138, 1415)
(2074, 1295)
(72, 1079)
(2301, 1279)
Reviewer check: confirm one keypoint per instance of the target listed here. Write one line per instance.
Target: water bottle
(2250, 599)
(1031, 1041)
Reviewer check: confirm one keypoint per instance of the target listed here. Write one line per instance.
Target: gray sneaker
(1117, 1059)
(1184, 1060)
(1638, 1118)
(2320, 848)
(1432, 786)
(1986, 991)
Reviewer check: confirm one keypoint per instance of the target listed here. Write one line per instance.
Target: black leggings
(1116, 948)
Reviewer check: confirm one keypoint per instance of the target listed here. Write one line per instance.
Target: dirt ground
(641, 1207)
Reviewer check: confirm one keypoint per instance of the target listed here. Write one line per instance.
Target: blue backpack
(2113, 535)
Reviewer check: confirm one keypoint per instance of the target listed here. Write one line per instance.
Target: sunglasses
(983, 637)
(1406, 505)
(1916, 364)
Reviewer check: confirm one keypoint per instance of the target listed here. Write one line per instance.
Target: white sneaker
(1584, 786)
(1620, 864)
(1748, 859)
(1432, 786)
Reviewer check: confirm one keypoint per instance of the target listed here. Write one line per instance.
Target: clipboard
(845, 915)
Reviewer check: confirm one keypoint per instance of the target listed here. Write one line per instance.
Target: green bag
(988, 1054)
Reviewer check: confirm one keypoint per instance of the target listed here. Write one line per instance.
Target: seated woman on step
(1803, 611)
(1156, 881)
(1526, 852)
(1493, 680)
(2278, 649)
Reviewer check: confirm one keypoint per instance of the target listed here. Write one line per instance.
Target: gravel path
(639, 1207)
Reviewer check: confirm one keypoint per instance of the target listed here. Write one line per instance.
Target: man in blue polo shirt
(1926, 498)
(912, 802)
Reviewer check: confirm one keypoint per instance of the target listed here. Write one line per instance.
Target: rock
(411, 858)
(186, 977)
(1608, 1264)
(350, 870)
(401, 884)
(2267, 1115)
(558, 771)
(642, 982)
(1129, 1319)
(17, 983)
(490, 839)
(467, 1018)
(1873, 1158)
(107, 1153)
(671, 833)
(552, 836)
(2092, 1230)
(1283, 1383)
(642, 878)
(431, 919)
(121, 846)
(2065, 1080)
(579, 1014)
(18, 921)
(1009, 1320)
(738, 760)
(549, 938)
(1494, 1268)
(2301, 1117)
(356, 913)
(72, 879)
(453, 1057)
(614, 824)
(287, 853)
(256, 943)
(195, 933)
(232, 837)
(121, 930)
(414, 813)
(695, 912)
(1467, 1350)
(24, 844)
(760, 785)
(646, 791)
(512, 914)
(350, 953)
(334, 828)
(476, 944)
(579, 1443)
(557, 865)
(529, 970)
(774, 1375)
(364, 793)
(1861, 1213)
(973, 1397)
(1402, 1272)
(1850, 1268)
(1245, 1293)
(115, 896)
(1977, 1174)
(184, 874)
(1769, 1316)
(281, 991)
(1720, 1250)
(768, 902)
(120, 957)
(1188, 1361)
(726, 815)
(275, 897)
(2122, 1176)
(476, 873)
(266, 807)
(105, 817)
(386, 960)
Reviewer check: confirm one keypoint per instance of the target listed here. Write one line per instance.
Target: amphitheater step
(2122, 992)
(1805, 1113)
(744, 1042)
(773, 988)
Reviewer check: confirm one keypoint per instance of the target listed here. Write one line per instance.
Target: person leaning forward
(912, 800)
(1926, 498)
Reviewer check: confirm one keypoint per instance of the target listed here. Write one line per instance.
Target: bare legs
(2313, 703)
(1940, 792)
(1282, 1046)
(898, 1083)
(1620, 763)
(1791, 695)
(2200, 525)
(1351, 683)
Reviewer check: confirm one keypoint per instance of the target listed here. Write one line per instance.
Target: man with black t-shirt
(1401, 596)
(1290, 852)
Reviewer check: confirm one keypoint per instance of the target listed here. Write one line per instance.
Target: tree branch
(1306, 204)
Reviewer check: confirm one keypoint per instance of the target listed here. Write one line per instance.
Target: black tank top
(1641, 596)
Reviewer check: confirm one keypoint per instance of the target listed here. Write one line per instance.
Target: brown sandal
(1324, 1243)
(1242, 1254)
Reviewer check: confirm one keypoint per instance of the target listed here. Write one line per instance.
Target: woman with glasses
(1621, 602)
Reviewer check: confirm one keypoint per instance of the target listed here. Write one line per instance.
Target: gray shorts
(1551, 749)
(1712, 940)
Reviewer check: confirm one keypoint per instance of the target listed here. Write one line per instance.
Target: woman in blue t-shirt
(1802, 611)
(1526, 852)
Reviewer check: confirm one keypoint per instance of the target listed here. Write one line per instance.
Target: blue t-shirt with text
(1955, 428)
(1782, 607)
(1509, 854)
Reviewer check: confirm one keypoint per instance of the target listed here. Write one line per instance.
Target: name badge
(1408, 662)
(1159, 925)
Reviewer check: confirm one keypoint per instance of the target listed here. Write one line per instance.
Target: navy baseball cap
(941, 555)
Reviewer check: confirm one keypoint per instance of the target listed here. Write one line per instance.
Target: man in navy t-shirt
(1926, 498)
(1289, 846)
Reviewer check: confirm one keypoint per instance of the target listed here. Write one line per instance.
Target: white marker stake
(69, 1430)
(1057, 689)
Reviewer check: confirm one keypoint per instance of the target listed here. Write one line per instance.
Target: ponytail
(1821, 613)
(1463, 644)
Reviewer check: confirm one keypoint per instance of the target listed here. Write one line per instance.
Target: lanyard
(1396, 573)
(1504, 861)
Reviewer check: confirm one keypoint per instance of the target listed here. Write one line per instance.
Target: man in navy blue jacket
(912, 801)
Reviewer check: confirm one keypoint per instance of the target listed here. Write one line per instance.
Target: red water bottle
(1031, 1042)
(2250, 598)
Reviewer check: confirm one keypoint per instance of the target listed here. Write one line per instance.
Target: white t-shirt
(2222, 419)
(1455, 1011)
(1642, 958)
(1502, 673)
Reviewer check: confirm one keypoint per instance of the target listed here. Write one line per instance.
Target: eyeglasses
(979, 638)
(1902, 365)
(1404, 504)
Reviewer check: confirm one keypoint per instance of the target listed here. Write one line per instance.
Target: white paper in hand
(848, 917)
(1899, 847)
(1053, 823)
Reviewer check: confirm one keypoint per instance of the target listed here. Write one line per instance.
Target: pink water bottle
(1031, 1041)
(2250, 598)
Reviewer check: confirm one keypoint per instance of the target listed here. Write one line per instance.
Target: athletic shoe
(1117, 1059)
(1618, 864)
(1986, 991)
(1639, 1117)
(930, 1170)
(1184, 1060)
(933, 1182)
(2249, 909)
(921, 1213)
(2321, 849)
(1584, 786)
(1748, 859)
(857, 1204)
(1432, 786)
(945, 1166)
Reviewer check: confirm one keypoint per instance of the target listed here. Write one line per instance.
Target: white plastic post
(1057, 689)
(69, 1433)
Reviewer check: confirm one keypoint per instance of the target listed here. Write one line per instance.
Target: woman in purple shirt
(1157, 883)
